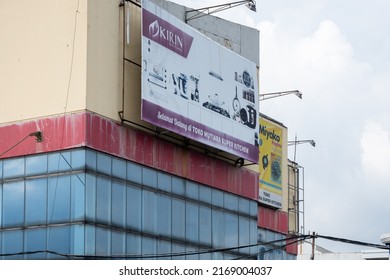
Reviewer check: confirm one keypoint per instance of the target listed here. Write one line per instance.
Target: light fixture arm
(311, 142)
(296, 142)
(197, 13)
(266, 96)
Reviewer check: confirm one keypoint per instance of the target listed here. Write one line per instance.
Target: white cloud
(336, 55)
(375, 144)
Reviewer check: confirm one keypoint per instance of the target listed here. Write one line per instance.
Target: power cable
(297, 240)
(37, 134)
(293, 240)
(168, 255)
(353, 242)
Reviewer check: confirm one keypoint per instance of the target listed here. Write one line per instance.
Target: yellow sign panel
(270, 163)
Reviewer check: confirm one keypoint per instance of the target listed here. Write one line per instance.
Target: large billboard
(271, 163)
(197, 88)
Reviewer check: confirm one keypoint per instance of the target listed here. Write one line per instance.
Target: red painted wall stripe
(271, 219)
(61, 132)
(94, 131)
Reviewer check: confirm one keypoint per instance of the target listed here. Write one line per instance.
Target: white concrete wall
(42, 58)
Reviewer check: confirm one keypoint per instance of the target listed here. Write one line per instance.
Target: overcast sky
(337, 53)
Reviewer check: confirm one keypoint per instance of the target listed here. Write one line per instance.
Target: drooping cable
(166, 255)
(37, 134)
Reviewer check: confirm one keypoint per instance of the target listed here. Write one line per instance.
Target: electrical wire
(166, 255)
(10, 148)
(274, 243)
(276, 247)
(353, 242)
(66, 108)
(36, 134)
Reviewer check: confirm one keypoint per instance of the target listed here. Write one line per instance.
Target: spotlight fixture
(252, 6)
(38, 136)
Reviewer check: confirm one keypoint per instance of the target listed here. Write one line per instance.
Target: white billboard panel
(197, 88)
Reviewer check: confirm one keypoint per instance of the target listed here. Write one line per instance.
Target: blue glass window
(231, 201)
(58, 241)
(78, 197)
(77, 239)
(192, 190)
(178, 186)
(13, 204)
(149, 177)
(149, 247)
(1, 208)
(119, 168)
(1, 169)
(90, 240)
(243, 205)
(253, 208)
(243, 233)
(78, 159)
(59, 199)
(134, 173)
(103, 242)
(36, 165)
(35, 240)
(118, 204)
(12, 243)
(90, 158)
(164, 207)
(59, 162)
(118, 243)
(103, 200)
(217, 198)
(164, 182)
(133, 214)
(253, 235)
(103, 163)
(149, 212)
(13, 168)
(205, 194)
(192, 222)
(230, 230)
(217, 228)
(133, 245)
(163, 248)
(36, 201)
(205, 225)
(90, 199)
(178, 218)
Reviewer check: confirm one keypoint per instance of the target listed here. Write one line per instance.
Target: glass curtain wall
(82, 203)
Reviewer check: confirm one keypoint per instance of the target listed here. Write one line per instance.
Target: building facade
(83, 176)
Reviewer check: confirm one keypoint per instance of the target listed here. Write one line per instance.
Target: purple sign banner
(197, 131)
(165, 34)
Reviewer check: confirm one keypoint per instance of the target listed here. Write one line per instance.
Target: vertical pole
(313, 240)
(295, 147)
